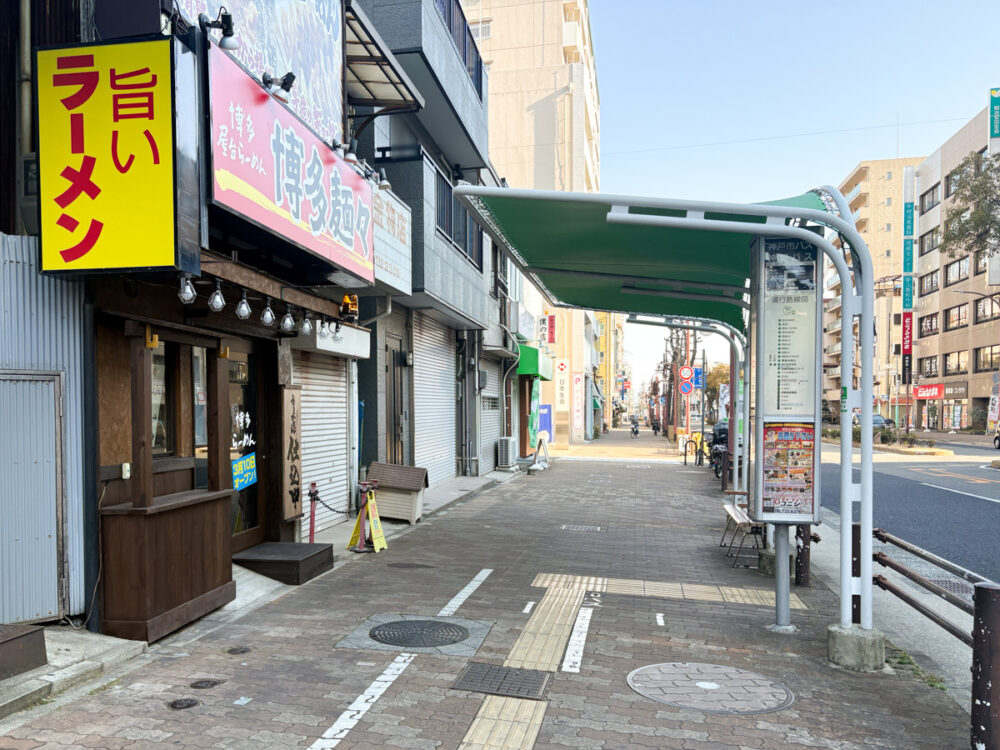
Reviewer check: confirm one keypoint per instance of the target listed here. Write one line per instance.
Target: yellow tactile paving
(505, 724)
(513, 723)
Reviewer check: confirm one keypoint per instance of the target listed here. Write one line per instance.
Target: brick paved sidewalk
(586, 606)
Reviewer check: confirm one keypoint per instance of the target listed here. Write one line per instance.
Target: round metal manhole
(182, 703)
(711, 688)
(236, 650)
(205, 684)
(418, 633)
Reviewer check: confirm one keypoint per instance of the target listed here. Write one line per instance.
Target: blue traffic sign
(698, 378)
(685, 387)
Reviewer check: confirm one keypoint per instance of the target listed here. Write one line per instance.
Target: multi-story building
(544, 114)
(874, 191)
(956, 322)
(610, 375)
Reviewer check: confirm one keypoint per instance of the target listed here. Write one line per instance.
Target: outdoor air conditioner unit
(506, 448)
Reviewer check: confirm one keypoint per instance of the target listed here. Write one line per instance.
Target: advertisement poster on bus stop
(789, 462)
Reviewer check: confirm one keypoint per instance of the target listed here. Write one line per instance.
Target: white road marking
(574, 651)
(461, 596)
(959, 492)
(659, 619)
(347, 720)
(528, 607)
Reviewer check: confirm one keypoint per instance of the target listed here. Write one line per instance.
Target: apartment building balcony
(835, 326)
(832, 349)
(860, 219)
(432, 41)
(833, 304)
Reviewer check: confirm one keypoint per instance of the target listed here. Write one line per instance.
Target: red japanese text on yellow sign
(105, 148)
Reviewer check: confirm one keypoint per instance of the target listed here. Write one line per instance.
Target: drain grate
(410, 565)
(711, 688)
(508, 681)
(418, 633)
(578, 527)
(961, 588)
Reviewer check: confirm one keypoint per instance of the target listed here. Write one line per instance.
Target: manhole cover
(236, 650)
(578, 527)
(182, 703)
(205, 684)
(410, 565)
(418, 633)
(961, 588)
(495, 680)
(711, 688)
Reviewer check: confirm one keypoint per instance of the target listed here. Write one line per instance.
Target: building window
(956, 317)
(930, 199)
(455, 222)
(987, 309)
(956, 363)
(957, 271)
(888, 201)
(888, 175)
(164, 400)
(896, 348)
(951, 183)
(480, 29)
(888, 227)
(987, 358)
(982, 262)
(930, 240)
(928, 366)
(929, 283)
(897, 319)
(928, 325)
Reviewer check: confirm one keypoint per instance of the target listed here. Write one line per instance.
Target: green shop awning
(584, 251)
(534, 363)
(597, 404)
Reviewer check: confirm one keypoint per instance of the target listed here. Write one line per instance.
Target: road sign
(686, 372)
(685, 387)
(699, 378)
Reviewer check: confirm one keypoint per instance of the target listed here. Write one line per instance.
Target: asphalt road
(947, 505)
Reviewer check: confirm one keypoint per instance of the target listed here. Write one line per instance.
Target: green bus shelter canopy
(580, 258)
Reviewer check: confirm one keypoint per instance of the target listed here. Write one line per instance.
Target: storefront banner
(789, 463)
(536, 394)
(305, 38)
(928, 392)
(957, 390)
(291, 452)
(244, 471)
(577, 401)
(907, 256)
(106, 156)
(392, 242)
(907, 333)
(545, 422)
(994, 113)
(273, 170)
(993, 414)
(562, 385)
(551, 331)
(908, 292)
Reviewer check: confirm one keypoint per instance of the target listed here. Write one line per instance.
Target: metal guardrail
(985, 636)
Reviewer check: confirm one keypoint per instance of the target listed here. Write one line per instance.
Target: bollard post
(855, 570)
(725, 470)
(313, 497)
(985, 717)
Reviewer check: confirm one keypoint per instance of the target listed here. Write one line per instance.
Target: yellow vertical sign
(374, 526)
(106, 156)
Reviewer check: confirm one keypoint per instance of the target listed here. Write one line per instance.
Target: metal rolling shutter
(324, 434)
(489, 430)
(434, 393)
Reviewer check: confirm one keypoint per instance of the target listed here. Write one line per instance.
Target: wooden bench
(738, 520)
(400, 491)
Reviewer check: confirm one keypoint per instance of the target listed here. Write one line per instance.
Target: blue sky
(751, 77)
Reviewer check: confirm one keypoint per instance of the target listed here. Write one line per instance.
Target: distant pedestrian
(656, 426)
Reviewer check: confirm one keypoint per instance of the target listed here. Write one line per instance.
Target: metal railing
(985, 612)
(454, 19)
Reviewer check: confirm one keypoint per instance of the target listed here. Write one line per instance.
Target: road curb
(901, 451)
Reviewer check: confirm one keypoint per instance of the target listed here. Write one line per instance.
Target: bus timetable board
(786, 317)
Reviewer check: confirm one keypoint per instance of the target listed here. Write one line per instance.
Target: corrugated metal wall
(41, 329)
(434, 392)
(325, 434)
(29, 492)
(489, 432)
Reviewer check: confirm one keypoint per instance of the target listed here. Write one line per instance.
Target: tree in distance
(972, 223)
